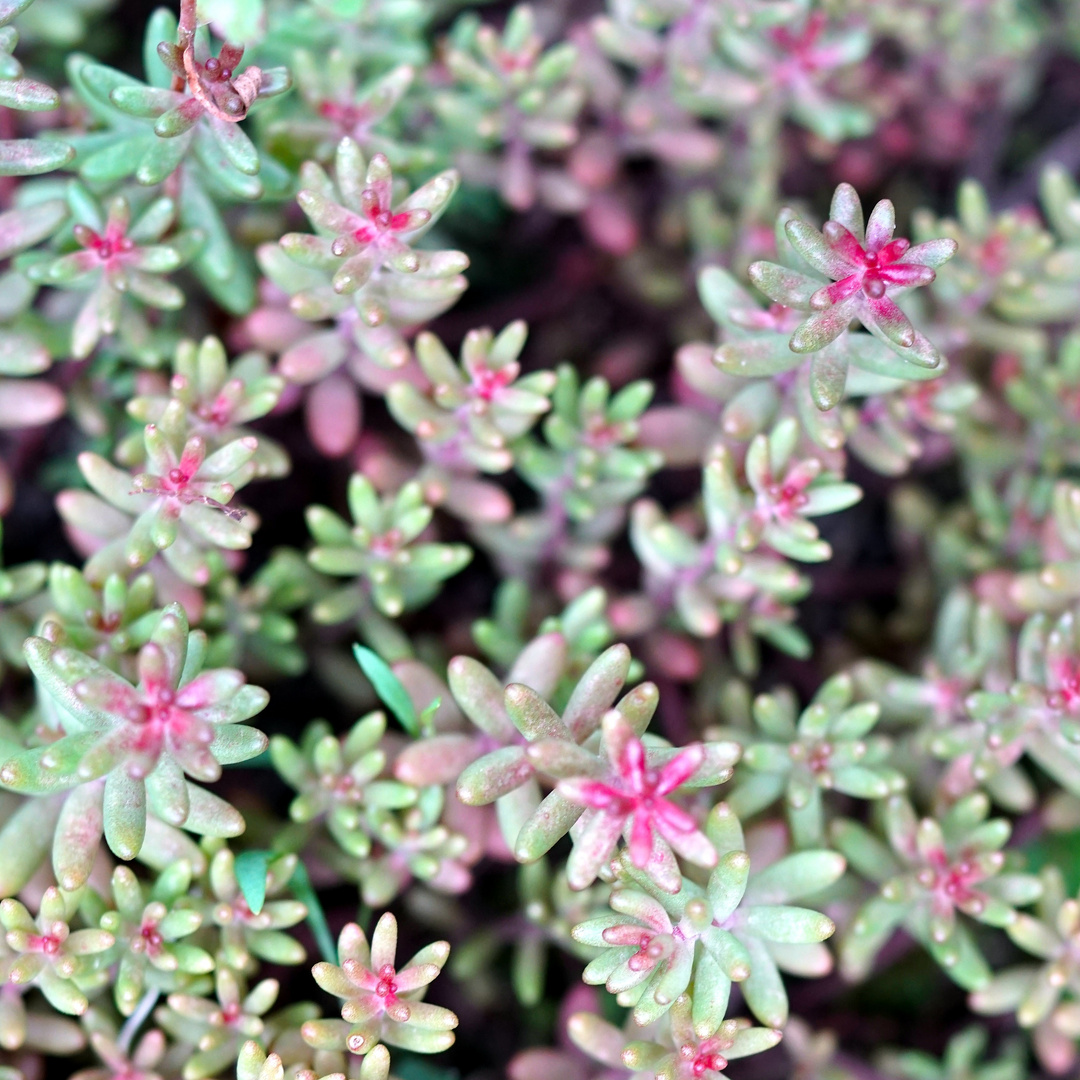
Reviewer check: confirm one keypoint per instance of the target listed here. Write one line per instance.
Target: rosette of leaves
(895, 424)
(411, 844)
(716, 579)
(178, 506)
(930, 873)
(792, 64)
(127, 750)
(588, 467)
(120, 144)
(867, 269)
(785, 491)
(25, 157)
(755, 343)
(213, 1030)
(624, 787)
(1046, 394)
(476, 409)
(1036, 715)
(1044, 996)
(741, 927)
(383, 1003)
(190, 106)
(338, 105)
(590, 464)
(393, 571)
(251, 624)
(337, 779)
(490, 763)
(48, 953)
(510, 98)
(648, 955)
(678, 45)
(826, 747)
(364, 242)
(768, 501)
(37, 1028)
(293, 323)
(685, 1054)
(220, 400)
(116, 257)
(1000, 283)
(970, 648)
(18, 584)
(247, 935)
(107, 622)
(149, 927)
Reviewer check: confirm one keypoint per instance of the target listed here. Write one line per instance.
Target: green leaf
(28, 157)
(426, 721)
(250, 871)
(388, 687)
(302, 889)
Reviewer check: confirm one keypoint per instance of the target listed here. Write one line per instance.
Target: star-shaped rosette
(626, 791)
(381, 1002)
(868, 270)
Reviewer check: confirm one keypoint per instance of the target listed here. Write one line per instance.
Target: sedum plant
(667, 606)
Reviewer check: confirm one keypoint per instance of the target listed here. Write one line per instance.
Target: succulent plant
(149, 928)
(930, 874)
(215, 1030)
(128, 749)
(510, 97)
(864, 270)
(1041, 995)
(825, 748)
(220, 400)
(476, 409)
(382, 1002)
(366, 242)
(800, 545)
(380, 550)
(48, 953)
(118, 255)
(338, 780)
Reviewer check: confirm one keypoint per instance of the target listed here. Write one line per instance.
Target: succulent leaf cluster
(687, 593)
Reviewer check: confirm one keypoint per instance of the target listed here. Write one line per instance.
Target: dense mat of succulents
(692, 687)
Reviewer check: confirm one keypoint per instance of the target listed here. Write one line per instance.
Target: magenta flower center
(386, 988)
(386, 544)
(177, 480)
(702, 1060)
(49, 944)
(346, 116)
(151, 937)
(487, 383)
(1066, 696)
(108, 246)
(384, 223)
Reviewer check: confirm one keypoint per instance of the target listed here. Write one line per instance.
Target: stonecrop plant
(539, 540)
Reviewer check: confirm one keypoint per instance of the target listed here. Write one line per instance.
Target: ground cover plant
(539, 541)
